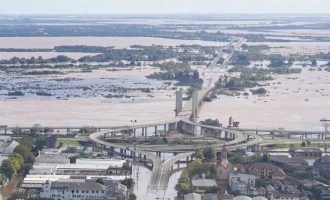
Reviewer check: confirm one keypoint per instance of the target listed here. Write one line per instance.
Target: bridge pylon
(178, 102)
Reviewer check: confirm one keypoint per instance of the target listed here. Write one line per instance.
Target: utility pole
(325, 122)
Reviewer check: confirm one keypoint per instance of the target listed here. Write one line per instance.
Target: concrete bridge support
(172, 126)
(178, 102)
(146, 131)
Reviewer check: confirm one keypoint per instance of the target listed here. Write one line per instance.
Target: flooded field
(81, 97)
(296, 101)
(288, 48)
(45, 55)
(117, 42)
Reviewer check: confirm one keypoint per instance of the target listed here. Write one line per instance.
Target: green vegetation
(240, 59)
(65, 141)
(211, 122)
(259, 91)
(239, 157)
(298, 145)
(180, 72)
(193, 170)
(23, 159)
(209, 153)
(235, 84)
(39, 60)
(153, 53)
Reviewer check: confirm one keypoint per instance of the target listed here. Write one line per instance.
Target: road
(161, 171)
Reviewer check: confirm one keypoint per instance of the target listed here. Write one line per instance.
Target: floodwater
(299, 48)
(117, 42)
(296, 101)
(9, 55)
(87, 108)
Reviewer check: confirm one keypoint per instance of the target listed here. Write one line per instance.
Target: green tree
(303, 144)
(22, 150)
(16, 163)
(29, 158)
(17, 195)
(18, 159)
(165, 141)
(209, 153)
(8, 168)
(199, 154)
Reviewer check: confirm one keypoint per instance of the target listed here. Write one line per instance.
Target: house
(262, 191)
(243, 183)
(7, 146)
(305, 152)
(203, 185)
(266, 170)
(284, 196)
(296, 164)
(321, 167)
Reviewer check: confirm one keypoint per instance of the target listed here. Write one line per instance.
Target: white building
(84, 167)
(244, 183)
(59, 190)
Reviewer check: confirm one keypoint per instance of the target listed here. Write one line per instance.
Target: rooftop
(306, 150)
(285, 159)
(204, 183)
(109, 162)
(78, 186)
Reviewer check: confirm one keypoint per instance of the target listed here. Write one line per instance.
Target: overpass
(184, 121)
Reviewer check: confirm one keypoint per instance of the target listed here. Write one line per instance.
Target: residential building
(284, 196)
(306, 152)
(321, 167)
(266, 170)
(59, 190)
(295, 164)
(243, 183)
(202, 185)
(7, 146)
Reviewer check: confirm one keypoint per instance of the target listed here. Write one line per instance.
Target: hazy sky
(162, 6)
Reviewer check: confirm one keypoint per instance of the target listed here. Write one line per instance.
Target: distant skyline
(164, 6)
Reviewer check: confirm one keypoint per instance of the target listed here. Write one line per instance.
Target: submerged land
(265, 72)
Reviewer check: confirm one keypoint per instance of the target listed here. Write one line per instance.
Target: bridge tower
(178, 102)
(194, 107)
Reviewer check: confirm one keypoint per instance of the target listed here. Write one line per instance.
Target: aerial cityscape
(191, 100)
